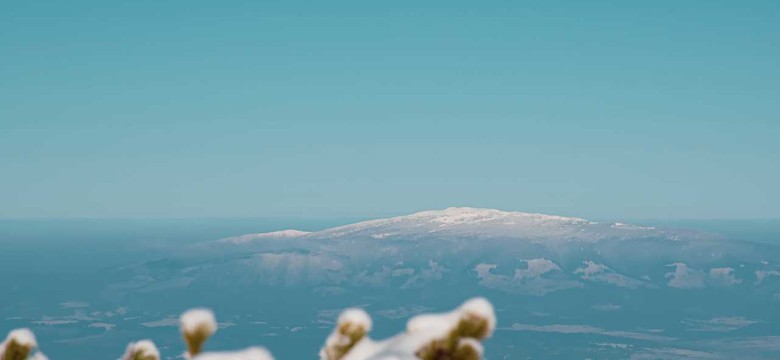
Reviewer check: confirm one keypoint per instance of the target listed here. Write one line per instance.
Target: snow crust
(198, 319)
(355, 316)
(443, 323)
(144, 346)
(23, 337)
(421, 330)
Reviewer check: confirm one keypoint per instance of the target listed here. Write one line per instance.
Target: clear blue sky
(602, 109)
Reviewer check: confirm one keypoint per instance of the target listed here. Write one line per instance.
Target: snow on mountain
(516, 252)
(470, 222)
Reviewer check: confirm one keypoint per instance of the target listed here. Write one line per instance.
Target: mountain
(515, 252)
(464, 222)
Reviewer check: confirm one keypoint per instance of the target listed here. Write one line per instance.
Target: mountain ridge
(467, 222)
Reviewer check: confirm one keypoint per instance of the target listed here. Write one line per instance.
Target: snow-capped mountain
(513, 252)
(484, 249)
(462, 222)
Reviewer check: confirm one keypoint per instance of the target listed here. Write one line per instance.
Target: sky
(600, 109)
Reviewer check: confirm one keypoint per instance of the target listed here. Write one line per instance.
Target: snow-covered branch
(454, 335)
